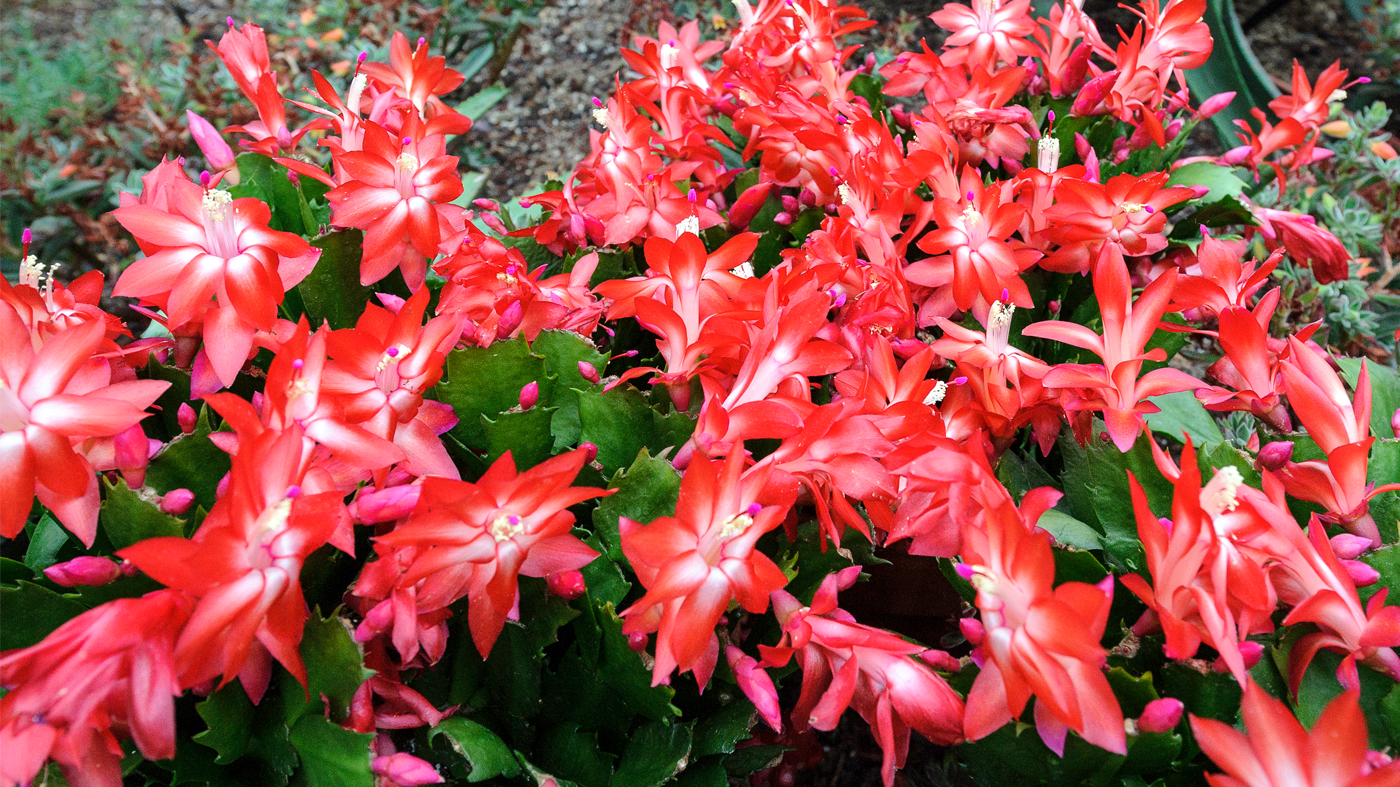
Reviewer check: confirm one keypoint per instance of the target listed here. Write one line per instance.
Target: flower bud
(1383, 149)
(757, 685)
(783, 219)
(1214, 104)
(790, 204)
(637, 641)
(132, 449)
(487, 204)
(85, 570)
(588, 372)
(177, 501)
(385, 505)
(590, 452)
(1337, 129)
(510, 319)
(1160, 715)
(1361, 574)
(1348, 547)
(494, 222)
(529, 395)
(1395, 422)
(1252, 652)
(404, 770)
(941, 660)
(1274, 456)
(747, 205)
(972, 630)
(567, 585)
(216, 151)
(187, 418)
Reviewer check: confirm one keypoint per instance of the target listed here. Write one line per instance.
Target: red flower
(695, 563)
(474, 540)
(104, 675)
(422, 79)
(1307, 243)
(1275, 750)
(205, 244)
(1039, 639)
(244, 566)
(1127, 327)
(845, 664)
(987, 28)
(398, 196)
(1126, 212)
(972, 252)
(48, 400)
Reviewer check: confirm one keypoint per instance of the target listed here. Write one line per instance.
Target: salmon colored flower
(104, 675)
(422, 80)
(50, 399)
(986, 29)
(1275, 750)
(695, 563)
(972, 251)
(1127, 327)
(474, 540)
(846, 664)
(1126, 213)
(399, 195)
(212, 258)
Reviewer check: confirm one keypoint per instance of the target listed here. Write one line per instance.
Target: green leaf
(525, 433)
(48, 537)
(574, 754)
(1069, 531)
(334, 664)
(190, 461)
(1232, 67)
(562, 352)
(43, 611)
(483, 749)
(486, 381)
(1213, 695)
(1385, 392)
(645, 491)
(229, 714)
(653, 755)
(265, 179)
(1182, 413)
(331, 292)
(127, 518)
(1097, 491)
(623, 670)
(1221, 180)
(1319, 687)
(476, 106)
(620, 422)
(753, 758)
(332, 756)
(718, 732)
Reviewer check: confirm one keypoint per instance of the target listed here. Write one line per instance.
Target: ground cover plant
(401, 487)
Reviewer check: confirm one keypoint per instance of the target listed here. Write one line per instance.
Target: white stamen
(1133, 207)
(735, 525)
(600, 116)
(32, 272)
(668, 56)
(999, 324)
(846, 194)
(215, 203)
(1219, 495)
(357, 89)
(1048, 155)
(744, 270)
(971, 216)
(689, 224)
(407, 162)
(935, 396)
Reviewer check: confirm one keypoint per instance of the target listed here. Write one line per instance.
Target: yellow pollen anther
(1133, 207)
(506, 527)
(971, 216)
(407, 162)
(1221, 493)
(735, 525)
(392, 355)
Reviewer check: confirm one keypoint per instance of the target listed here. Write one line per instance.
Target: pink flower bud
(187, 418)
(747, 205)
(973, 630)
(1160, 715)
(757, 685)
(1273, 456)
(783, 219)
(1395, 422)
(216, 151)
(941, 660)
(567, 585)
(487, 204)
(494, 222)
(403, 769)
(587, 372)
(379, 618)
(1214, 104)
(177, 501)
(85, 570)
(222, 488)
(385, 505)
(790, 204)
(1361, 574)
(1348, 547)
(1252, 652)
(529, 395)
(510, 319)
(590, 452)
(637, 641)
(132, 450)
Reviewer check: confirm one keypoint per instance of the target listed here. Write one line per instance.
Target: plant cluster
(402, 488)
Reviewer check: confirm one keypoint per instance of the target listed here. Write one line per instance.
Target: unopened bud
(402, 769)
(187, 418)
(940, 660)
(494, 222)
(1395, 422)
(790, 204)
(177, 501)
(1348, 547)
(973, 630)
(1361, 574)
(1274, 456)
(1338, 129)
(1160, 715)
(1214, 104)
(783, 219)
(1053, 306)
(1383, 149)
(87, 570)
(529, 395)
(587, 372)
(486, 204)
(510, 319)
(637, 641)
(590, 452)
(567, 585)
(1251, 652)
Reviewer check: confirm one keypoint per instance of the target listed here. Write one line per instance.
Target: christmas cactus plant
(402, 488)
